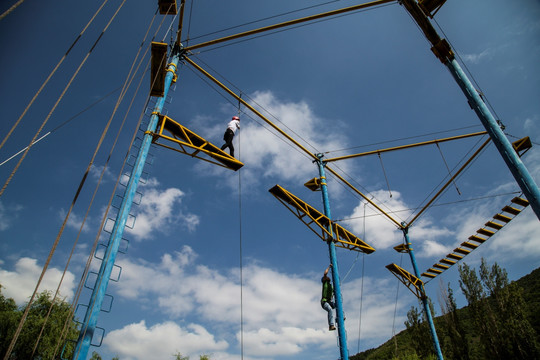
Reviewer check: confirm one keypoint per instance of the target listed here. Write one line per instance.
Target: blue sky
(346, 85)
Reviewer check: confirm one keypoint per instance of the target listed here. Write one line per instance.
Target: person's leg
(326, 306)
(225, 137)
(231, 147)
(228, 137)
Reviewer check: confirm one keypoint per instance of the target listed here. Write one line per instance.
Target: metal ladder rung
(455, 256)
(520, 201)
(448, 261)
(462, 251)
(442, 266)
(502, 217)
(494, 225)
(485, 232)
(511, 210)
(477, 238)
(469, 245)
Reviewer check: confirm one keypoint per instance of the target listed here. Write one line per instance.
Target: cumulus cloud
(286, 341)
(214, 295)
(520, 239)
(159, 211)
(20, 283)
(282, 315)
(383, 233)
(266, 151)
(162, 341)
(377, 296)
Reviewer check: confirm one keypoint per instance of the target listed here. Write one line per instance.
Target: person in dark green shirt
(326, 298)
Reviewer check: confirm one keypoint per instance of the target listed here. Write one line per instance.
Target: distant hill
(530, 285)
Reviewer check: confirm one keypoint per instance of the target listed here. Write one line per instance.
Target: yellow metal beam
(401, 147)
(450, 181)
(363, 196)
(243, 102)
(289, 23)
(319, 223)
(247, 105)
(191, 144)
(414, 284)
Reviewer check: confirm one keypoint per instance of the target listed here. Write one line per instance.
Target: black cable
(260, 20)
(441, 204)
(294, 27)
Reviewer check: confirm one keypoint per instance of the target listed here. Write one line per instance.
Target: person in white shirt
(229, 134)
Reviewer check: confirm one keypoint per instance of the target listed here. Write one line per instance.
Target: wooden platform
(167, 7)
(157, 69)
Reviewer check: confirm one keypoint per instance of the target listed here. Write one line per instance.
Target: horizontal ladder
(498, 221)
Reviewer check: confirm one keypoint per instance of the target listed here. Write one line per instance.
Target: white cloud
(520, 239)
(75, 221)
(286, 341)
(20, 283)
(378, 305)
(162, 341)
(477, 58)
(159, 211)
(263, 153)
(382, 233)
(282, 315)
(97, 172)
(265, 291)
(530, 125)
(432, 248)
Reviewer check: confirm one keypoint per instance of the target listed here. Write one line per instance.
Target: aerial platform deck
(174, 136)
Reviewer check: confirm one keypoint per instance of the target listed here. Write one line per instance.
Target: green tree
(178, 356)
(10, 316)
(420, 337)
(95, 356)
(499, 313)
(482, 315)
(517, 335)
(457, 342)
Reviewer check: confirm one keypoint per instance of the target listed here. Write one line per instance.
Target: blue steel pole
(514, 163)
(335, 272)
(427, 310)
(102, 281)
